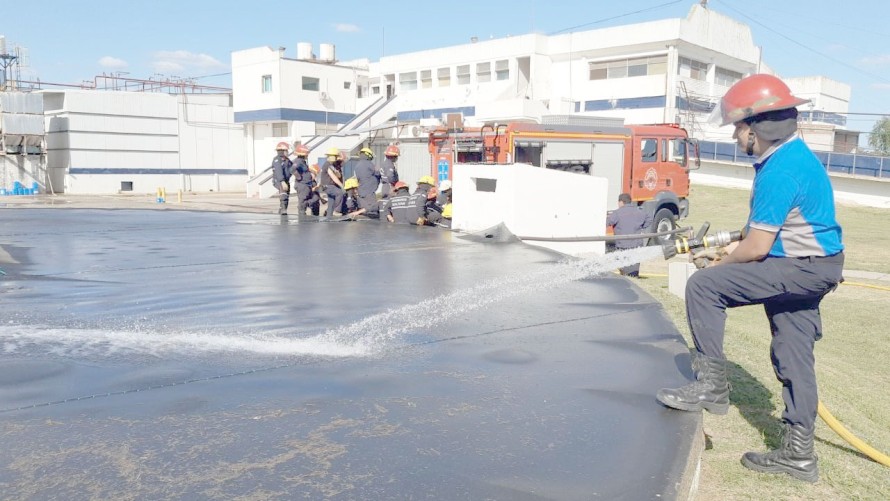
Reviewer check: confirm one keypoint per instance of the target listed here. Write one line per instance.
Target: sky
(69, 42)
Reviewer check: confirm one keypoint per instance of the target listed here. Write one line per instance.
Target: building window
(463, 74)
(310, 83)
(483, 72)
(347, 85)
(426, 79)
(726, 77)
(279, 129)
(408, 81)
(375, 90)
(502, 70)
(444, 76)
(649, 150)
(693, 69)
(631, 67)
(267, 83)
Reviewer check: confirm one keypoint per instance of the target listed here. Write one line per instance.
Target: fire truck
(650, 162)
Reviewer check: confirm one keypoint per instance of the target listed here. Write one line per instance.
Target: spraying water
(367, 336)
(375, 332)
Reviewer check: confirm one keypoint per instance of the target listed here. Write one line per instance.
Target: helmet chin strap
(749, 149)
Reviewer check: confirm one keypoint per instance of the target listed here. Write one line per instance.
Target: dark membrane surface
(197, 355)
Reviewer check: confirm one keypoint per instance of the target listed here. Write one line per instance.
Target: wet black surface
(174, 355)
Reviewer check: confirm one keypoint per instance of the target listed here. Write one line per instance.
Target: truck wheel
(663, 221)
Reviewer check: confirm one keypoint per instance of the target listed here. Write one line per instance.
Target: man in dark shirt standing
(389, 174)
(628, 219)
(303, 181)
(282, 169)
(368, 178)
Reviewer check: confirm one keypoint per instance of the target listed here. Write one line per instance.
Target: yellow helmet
(350, 183)
(367, 151)
(333, 152)
(427, 180)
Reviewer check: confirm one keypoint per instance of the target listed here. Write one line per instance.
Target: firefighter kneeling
(418, 208)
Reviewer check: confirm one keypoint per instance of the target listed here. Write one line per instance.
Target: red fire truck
(650, 162)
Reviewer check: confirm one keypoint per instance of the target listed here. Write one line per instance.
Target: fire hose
(701, 240)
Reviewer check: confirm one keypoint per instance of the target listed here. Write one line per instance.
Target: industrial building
(142, 138)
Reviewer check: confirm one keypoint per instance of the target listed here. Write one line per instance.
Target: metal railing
(842, 163)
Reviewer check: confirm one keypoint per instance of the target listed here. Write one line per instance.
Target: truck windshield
(678, 151)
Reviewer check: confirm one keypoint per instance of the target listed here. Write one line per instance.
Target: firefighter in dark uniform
(332, 182)
(368, 177)
(402, 207)
(791, 255)
(282, 168)
(304, 181)
(354, 208)
(444, 202)
(389, 173)
(628, 219)
(432, 212)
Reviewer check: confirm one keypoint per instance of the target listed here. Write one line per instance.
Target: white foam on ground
(367, 336)
(107, 343)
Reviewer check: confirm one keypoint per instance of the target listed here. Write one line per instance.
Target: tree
(880, 136)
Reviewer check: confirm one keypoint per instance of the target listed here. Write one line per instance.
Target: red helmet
(399, 185)
(752, 96)
(282, 146)
(392, 151)
(301, 151)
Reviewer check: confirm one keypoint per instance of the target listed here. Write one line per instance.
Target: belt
(832, 258)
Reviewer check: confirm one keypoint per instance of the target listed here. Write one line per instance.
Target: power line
(786, 37)
(572, 28)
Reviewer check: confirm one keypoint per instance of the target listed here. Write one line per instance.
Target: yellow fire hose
(851, 439)
(826, 416)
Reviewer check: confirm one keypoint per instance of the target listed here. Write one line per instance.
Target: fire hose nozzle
(686, 245)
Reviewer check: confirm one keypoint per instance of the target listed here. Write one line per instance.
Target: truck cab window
(678, 151)
(649, 150)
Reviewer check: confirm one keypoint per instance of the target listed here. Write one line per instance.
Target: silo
(304, 51)
(326, 53)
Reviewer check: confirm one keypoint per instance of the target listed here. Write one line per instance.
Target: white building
(668, 71)
(112, 142)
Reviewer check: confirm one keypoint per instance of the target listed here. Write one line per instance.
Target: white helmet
(445, 185)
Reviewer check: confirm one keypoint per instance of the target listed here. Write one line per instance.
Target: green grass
(851, 366)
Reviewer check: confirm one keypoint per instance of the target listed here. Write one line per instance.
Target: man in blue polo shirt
(790, 257)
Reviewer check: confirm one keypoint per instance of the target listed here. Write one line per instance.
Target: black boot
(710, 391)
(795, 457)
(282, 208)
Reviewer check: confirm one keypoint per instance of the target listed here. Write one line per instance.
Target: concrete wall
(487, 195)
(870, 192)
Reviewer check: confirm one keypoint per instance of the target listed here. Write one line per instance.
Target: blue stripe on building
(291, 114)
(629, 103)
(113, 170)
(467, 111)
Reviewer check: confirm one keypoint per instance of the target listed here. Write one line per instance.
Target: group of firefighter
(356, 197)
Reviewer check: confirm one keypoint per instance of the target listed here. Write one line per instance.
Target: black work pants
(336, 199)
(790, 290)
(308, 198)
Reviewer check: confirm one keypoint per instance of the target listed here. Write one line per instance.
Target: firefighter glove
(708, 257)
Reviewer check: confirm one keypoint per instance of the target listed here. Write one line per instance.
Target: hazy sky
(69, 42)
